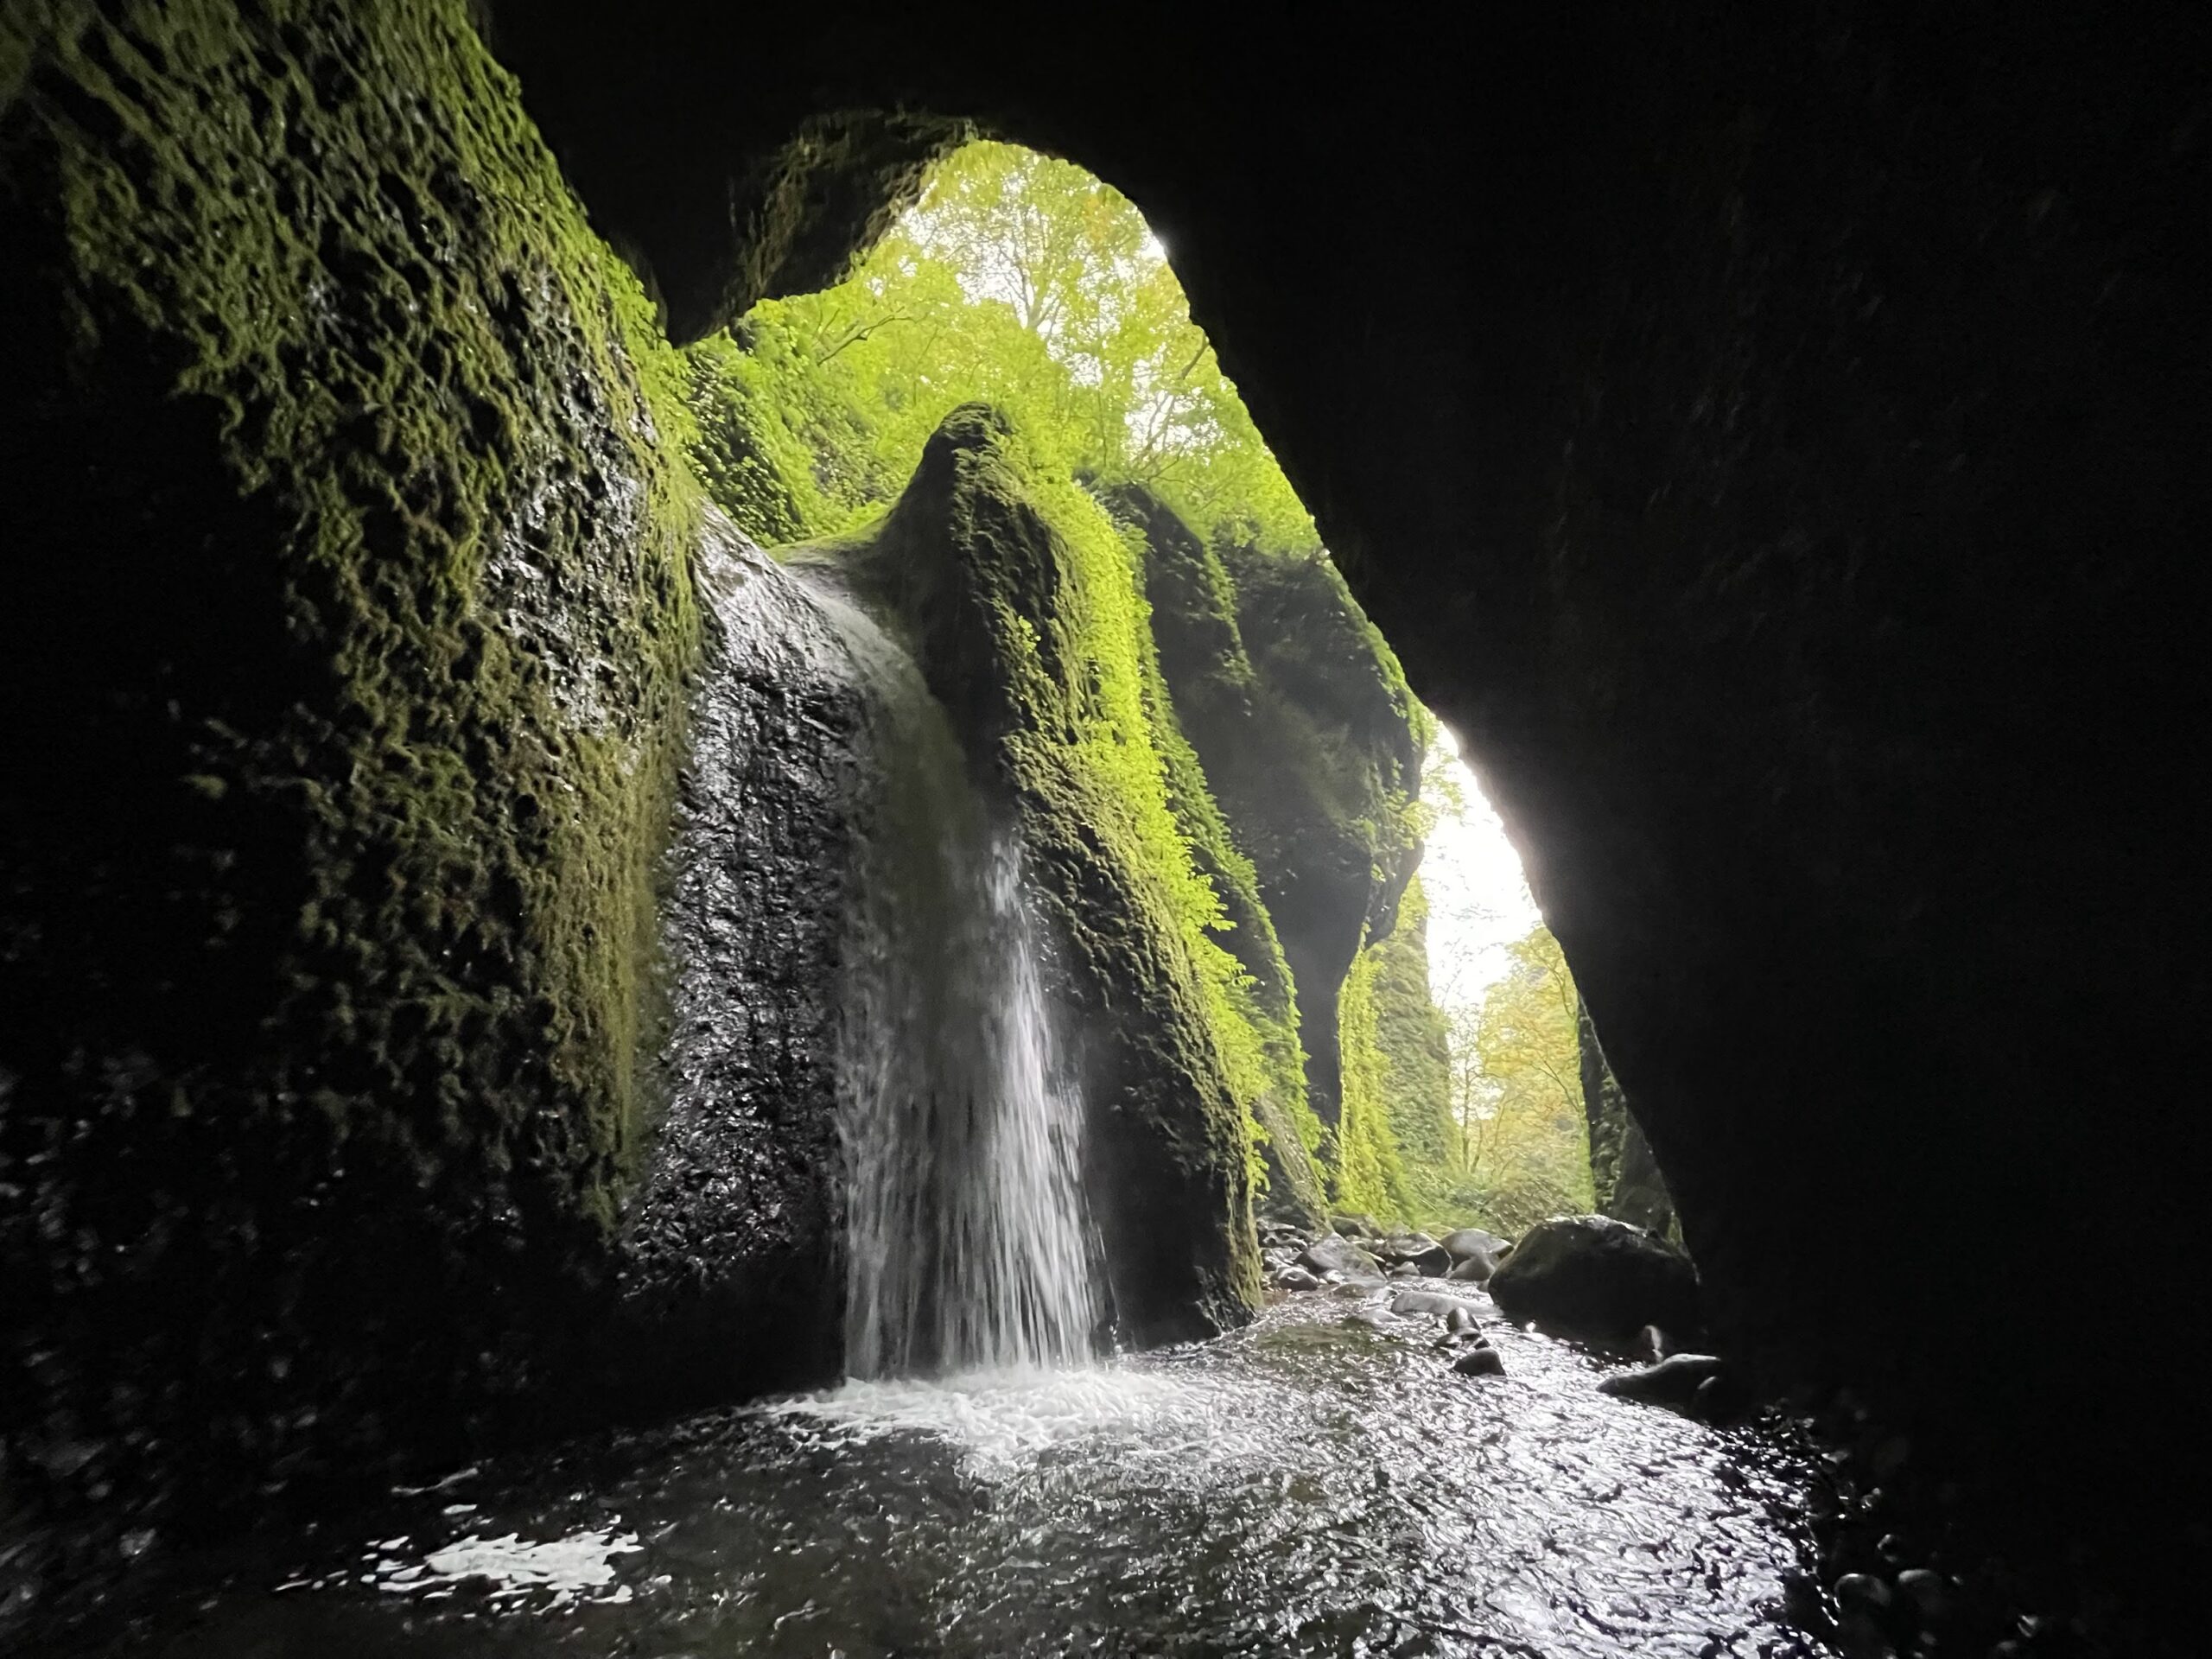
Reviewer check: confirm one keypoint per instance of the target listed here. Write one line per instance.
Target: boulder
(1593, 1276)
(1296, 1279)
(1413, 1303)
(1483, 1361)
(1416, 1250)
(1355, 1226)
(1466, 1242)
(1673, 1382)
(1335, 1255)
(1475, 1270)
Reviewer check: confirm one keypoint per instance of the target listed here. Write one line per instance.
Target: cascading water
(965, 1231)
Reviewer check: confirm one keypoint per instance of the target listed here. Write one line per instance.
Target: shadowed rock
(1593, 1276)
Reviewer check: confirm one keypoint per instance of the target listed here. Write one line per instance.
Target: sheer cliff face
(1310, 741)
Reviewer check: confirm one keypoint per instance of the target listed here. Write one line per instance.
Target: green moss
(1022, 598)
(1396, 1131)
(1367, 1175)
(397, 527)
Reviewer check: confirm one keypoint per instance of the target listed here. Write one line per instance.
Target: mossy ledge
(1022, 605)
(351, 584)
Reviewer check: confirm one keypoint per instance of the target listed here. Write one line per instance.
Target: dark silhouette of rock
(1480, 1361)
(1673, 1382)
(1593, 1276)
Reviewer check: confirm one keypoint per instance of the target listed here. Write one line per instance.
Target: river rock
(1465, 1243)
(1673, 1382)
(1334, 1254)
(1416, 1250)
(1480, 1361)
(1412, 1303)
(1296, 1278)
(1923, 1588)
(1355, 1226)
(1593, 1276)
(1475, 1270)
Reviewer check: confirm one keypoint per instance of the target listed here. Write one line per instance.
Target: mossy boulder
(1020, 603)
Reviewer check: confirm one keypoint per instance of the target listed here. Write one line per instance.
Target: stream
(1318, 1483)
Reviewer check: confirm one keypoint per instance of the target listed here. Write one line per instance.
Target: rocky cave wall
(1625, 1182)
(1774, 444)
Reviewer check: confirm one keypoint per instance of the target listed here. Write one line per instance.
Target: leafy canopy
(1021, 282)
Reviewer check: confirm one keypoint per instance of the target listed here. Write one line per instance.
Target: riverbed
(1320, 1482)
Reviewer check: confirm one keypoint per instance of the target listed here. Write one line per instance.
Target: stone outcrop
(1022, 612)
(1311, 742)
(1624, 1177)
(1593, 1276)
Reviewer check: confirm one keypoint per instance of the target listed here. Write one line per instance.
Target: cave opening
(1452, 1076)
(444, 775)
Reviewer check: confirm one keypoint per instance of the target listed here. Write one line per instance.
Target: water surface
(1312, 1484)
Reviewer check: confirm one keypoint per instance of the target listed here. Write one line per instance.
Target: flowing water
(1320, 1483)
(965, 1232)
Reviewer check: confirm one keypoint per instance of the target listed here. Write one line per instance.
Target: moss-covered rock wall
(1311, 742)
(1021, 602)
(350, 616)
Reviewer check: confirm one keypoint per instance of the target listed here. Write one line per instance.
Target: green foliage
(1367, 1174)
(1517, 1092)
(1021, 282)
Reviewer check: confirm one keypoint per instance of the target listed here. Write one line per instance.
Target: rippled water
(1312, 1484)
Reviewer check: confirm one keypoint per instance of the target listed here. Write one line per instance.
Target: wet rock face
(354, 594)
(1625, 1177)
(1593, 1276)
(729, 1279)
(1012, 620)
(345, 653)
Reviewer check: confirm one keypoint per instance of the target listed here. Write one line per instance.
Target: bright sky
(1478, 900)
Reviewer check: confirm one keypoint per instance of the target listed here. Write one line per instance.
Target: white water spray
(964, 1230)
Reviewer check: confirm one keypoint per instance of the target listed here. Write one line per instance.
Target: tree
(1517, 1090)
(1023, 281)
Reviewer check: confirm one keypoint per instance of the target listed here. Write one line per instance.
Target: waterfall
(964, 1223)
